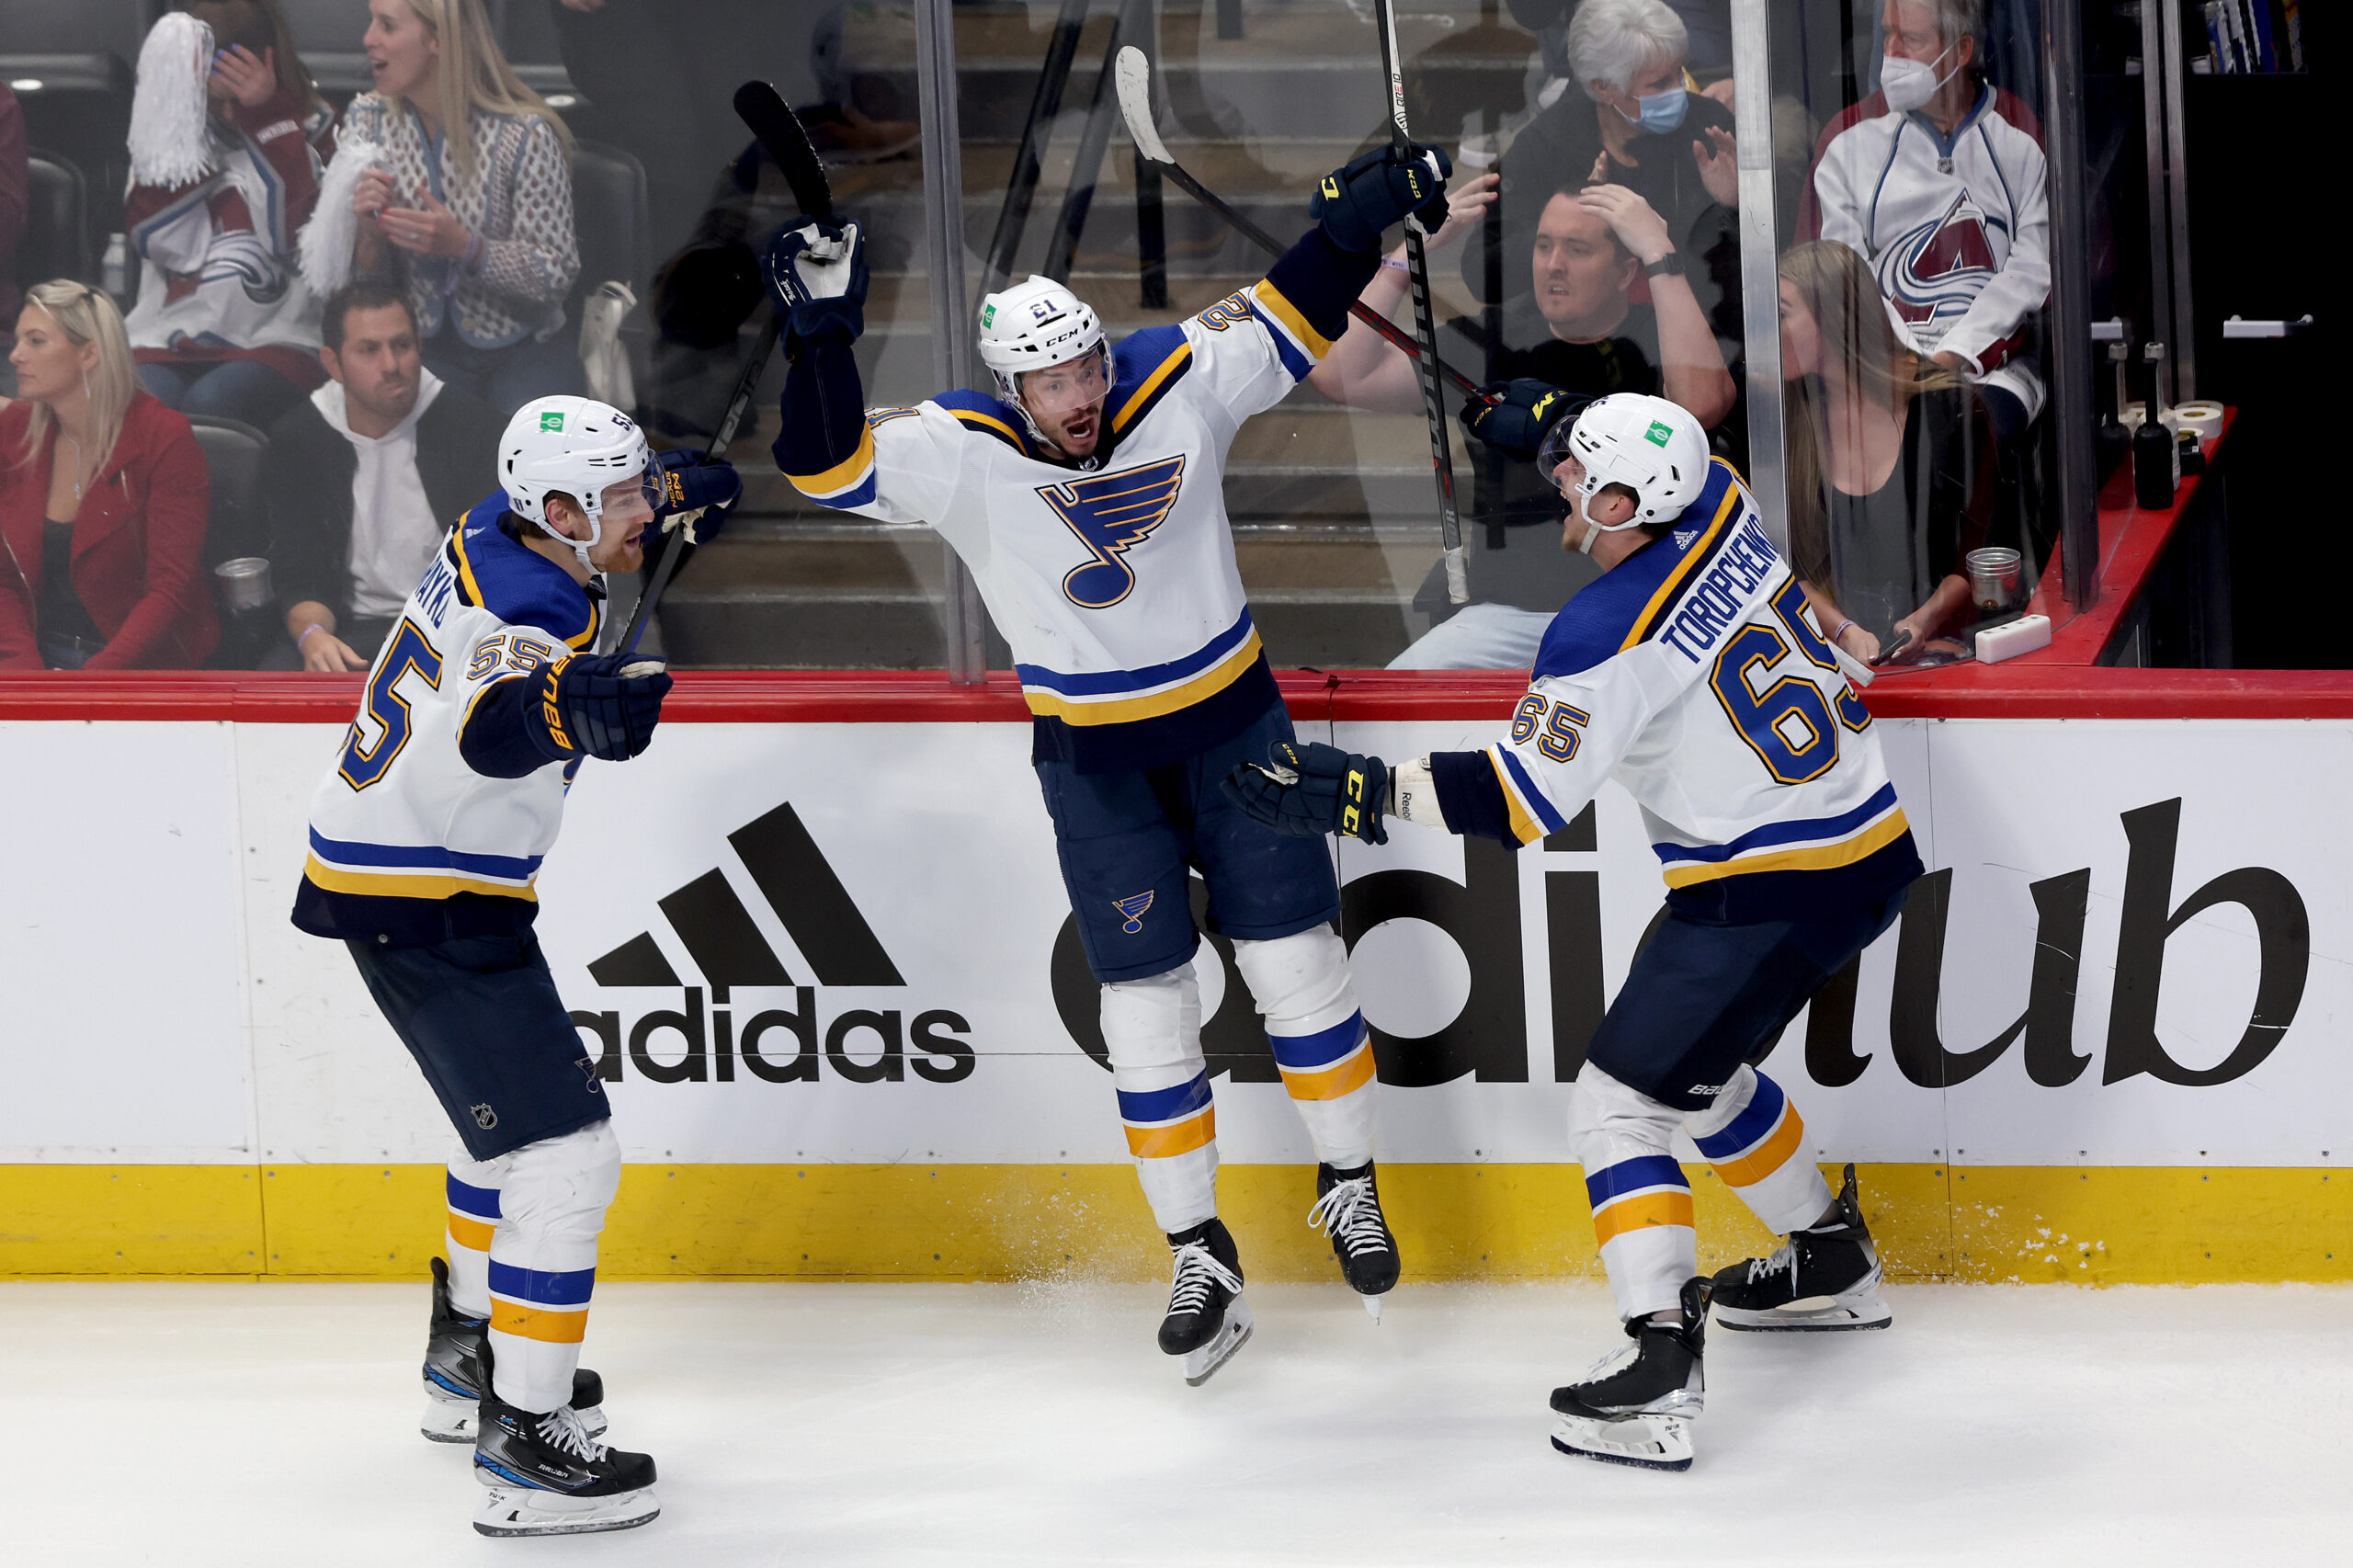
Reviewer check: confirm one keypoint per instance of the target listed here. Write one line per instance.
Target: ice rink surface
(255, 1424)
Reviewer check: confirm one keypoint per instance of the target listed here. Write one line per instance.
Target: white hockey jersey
(1693, 673)
(1115, 586)
(411, 841)
(1956, 228)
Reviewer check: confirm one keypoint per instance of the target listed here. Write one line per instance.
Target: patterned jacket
(519, 202)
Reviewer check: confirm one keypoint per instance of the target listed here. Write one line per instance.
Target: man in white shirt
(362, 480)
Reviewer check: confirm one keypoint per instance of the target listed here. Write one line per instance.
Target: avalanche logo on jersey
(1936, 272)
(1111, 513)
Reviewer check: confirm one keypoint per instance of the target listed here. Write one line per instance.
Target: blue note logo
(1131, 911)
(1111, 513)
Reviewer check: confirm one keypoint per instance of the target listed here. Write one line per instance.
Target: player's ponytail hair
(1858, 347)
(85, 315)
(472, 75)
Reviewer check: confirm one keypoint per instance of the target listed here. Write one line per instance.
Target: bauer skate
(1635, 1406)
(1208, 1321)
(1348, 1206)
(546, 1476)
(453, 1374)
(1824, 1278)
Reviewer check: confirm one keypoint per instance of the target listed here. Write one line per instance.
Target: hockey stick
(1417, 273)
(778, 131)
(1133, 73)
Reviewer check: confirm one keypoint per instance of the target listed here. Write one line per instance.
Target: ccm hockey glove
(1314, 790)
(1375, 190)
(698, 492)
(1513, 416)
(818, 275)
(600, 705)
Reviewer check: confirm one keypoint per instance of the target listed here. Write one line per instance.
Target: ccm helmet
(1034, 325)
(1653, 447)
(575, 445)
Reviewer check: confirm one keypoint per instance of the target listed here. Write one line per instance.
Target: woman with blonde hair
(454, 183)
(228, 140)
(103, 501)
(1894, 476)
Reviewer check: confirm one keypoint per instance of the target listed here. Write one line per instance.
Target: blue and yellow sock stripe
(1175, 1121)
(1638, 1194)
(1328, 1064)
(1759, 1141)
(548, 1306)
(474, 1214)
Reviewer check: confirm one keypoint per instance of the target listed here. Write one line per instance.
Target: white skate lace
(1196, 1270)
(561, 1429)
(1784, 1257)
(1350, 1213)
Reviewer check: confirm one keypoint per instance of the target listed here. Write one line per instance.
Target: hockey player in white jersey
(1692, 671)
(425, 839)
(1087, 497)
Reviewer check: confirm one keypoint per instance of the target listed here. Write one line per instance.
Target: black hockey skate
(454, 1381)
(1208, 1321)
(1636, 1405)
(1824, 1278)
(1347, 1205)
(547, 1476)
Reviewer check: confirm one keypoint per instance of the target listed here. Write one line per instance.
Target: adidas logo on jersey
(723, 939)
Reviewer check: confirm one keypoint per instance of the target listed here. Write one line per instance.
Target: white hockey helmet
(1653, 447)
(575, 445)
(1032, 325)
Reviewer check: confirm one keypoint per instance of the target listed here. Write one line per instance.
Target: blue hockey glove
(817, 273)
(1375, 190)
(602, 705)
(1314, 790)
(1513, 416)
(698, 492)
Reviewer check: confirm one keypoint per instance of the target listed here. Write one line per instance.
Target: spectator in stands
(1579, 333)
(1635, 125)
(1938, 179)
(455, 183)
(228, 140)
(362, 480)
(103, 501)
(1894, 476)
(16, 192)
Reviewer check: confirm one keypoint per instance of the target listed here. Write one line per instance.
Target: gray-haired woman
(1637, 124)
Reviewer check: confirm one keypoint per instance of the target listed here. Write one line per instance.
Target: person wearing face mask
(1938, 179)
(1636, 125)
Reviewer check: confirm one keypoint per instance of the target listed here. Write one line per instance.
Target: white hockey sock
(1153, 1029)
(473, 1217)
(544, 1261)
(1755, 1140)
(1301, 986)
(1641, 1203)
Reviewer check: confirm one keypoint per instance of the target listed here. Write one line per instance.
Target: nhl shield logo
(1132, 910)
(485, 1118)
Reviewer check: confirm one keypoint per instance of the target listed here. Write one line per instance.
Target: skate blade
(1230, 1336)
(1651, 1442)
(1372, 1304)
(1825, 1314)
(517, 1510)
(451, 1419)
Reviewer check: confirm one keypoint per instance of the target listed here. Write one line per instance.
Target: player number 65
(1560, 726)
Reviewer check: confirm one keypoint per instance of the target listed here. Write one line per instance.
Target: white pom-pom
(169, 144)
(326, 241)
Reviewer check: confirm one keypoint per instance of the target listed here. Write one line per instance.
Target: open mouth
(1081, 428)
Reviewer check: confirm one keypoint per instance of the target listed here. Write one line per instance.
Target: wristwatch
(1669, 264)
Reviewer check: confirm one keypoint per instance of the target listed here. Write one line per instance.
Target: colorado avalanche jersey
(1115, 584)
(439, 810)
(1693, 672)
(1957, 228)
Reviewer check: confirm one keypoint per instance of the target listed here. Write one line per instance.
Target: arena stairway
(1334, 513)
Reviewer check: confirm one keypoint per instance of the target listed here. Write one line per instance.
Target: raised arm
(1362, 369)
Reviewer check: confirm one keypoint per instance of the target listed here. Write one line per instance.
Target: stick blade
(781, 137)
(1132, 73)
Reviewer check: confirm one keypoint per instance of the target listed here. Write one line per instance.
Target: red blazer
(137, 543)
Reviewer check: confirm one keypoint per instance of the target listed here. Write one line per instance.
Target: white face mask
(1908, 83)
